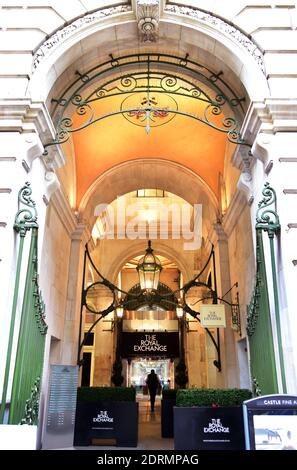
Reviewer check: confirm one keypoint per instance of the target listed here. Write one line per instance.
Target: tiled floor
(149, 430)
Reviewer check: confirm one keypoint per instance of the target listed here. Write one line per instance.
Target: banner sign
(270, 422)
(213, 316)
(160, 344)
(102, 420)
(211, 428)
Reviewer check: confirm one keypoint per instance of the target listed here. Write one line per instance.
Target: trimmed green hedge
(212, 397)
(106, 394)
(169, 393)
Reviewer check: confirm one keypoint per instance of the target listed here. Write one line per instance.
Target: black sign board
(202, 428)
(270, 422)
(106, 420)
(161, 344)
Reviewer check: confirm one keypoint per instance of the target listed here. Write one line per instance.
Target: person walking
(153, 383)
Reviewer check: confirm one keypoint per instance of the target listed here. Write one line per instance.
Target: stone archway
(226, 56)
(223, 47)
(138, 248)
(220, 45)
(153, 173)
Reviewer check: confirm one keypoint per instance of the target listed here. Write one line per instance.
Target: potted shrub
(209, 419)
(181, 375)
(106, 413)
(168, 401)
(117, 378)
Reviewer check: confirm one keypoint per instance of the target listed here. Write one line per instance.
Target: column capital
(82, 233)
(218, 234)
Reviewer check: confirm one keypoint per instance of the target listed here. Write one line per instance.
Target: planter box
(199, 428)
(167, 417)
(106, 420)
(18, 437)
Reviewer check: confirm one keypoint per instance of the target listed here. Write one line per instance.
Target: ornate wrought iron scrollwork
(32, 405)
(253, 307)
(26, 217)
(253, 311)
(257, 392)
(163, 296)
(39, 304)
(151, 79)
(268, 219)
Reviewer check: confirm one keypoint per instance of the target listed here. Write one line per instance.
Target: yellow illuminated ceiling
(116, 139)
(145, 213)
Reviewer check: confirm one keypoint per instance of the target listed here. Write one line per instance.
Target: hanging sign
(162, 344)
(213, 316)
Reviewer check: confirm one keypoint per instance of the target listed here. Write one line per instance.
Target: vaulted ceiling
(177, 138)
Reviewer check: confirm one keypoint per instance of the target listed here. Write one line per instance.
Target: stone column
(69, 346)
(198, 362)
(229, 376)
(104, 341)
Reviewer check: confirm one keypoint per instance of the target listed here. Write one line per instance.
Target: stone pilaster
(229, 373)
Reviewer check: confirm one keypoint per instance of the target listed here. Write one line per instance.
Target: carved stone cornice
(243, 160)
(148, 15)
(262, 121)
(270, 116)
(251, 46)
(32, 120)
(79, 23)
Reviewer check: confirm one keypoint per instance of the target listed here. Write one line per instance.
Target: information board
(61, 407)
(270, 422)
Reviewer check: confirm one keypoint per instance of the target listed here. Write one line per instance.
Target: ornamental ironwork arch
(144, 76)
(163, 297)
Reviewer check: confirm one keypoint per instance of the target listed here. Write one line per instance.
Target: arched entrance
(165, 116)
(189, 155)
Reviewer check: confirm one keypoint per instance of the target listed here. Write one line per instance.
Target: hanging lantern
(120, 311)
(149, 268)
